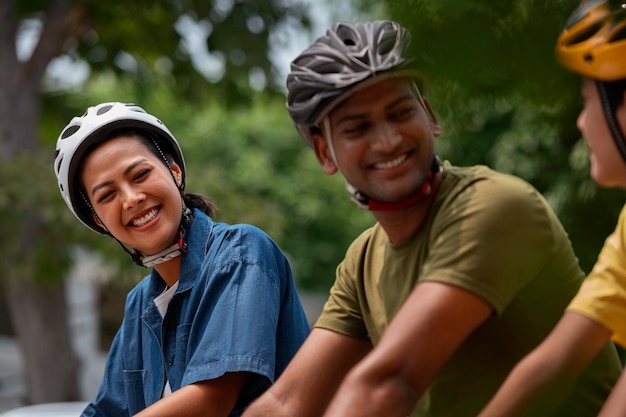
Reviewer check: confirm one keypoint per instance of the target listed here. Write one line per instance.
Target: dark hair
(200, 202)
(191, 200)
(615, 92)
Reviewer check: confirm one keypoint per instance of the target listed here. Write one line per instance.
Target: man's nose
(387, 136)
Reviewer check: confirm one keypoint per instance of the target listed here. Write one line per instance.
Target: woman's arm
(212, 398)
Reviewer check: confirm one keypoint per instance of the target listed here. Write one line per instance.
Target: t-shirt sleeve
(492, 237)
(342, 312)
(602, 297)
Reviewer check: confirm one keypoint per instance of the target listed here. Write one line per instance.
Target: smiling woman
(218, 318)
(134, 195)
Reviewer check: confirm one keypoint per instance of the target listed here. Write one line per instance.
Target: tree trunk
(38, 311)
(41, 326)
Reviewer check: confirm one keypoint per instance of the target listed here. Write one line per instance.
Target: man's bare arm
(312, 377)
(431, 325)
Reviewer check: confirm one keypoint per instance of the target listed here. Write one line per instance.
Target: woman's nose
(132, 197)
(580, 121)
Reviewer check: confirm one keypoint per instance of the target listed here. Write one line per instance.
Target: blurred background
(214, 72)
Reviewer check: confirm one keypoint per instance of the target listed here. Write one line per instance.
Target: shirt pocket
(134, 382)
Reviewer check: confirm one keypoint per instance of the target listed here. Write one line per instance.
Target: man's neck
(400, 225)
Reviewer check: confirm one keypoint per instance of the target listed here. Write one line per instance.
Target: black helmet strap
(611, 120)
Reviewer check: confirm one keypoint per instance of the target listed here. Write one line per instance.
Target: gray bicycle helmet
(94, 127)
(349, 57)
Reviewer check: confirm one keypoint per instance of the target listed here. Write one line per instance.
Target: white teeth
(145, 219)
(391, 164)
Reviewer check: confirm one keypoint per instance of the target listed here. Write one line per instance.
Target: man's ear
(323, 154)
(434, 123)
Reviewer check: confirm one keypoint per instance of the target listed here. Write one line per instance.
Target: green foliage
(202, 46)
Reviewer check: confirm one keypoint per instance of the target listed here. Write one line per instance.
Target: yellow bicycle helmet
(593, 42)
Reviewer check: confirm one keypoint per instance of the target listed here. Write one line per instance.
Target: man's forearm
(389, 396)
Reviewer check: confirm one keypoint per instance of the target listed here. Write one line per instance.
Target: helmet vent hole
(620, 35)
(387, 43)
(588, 58)
(586, 34)
(349, 42)
(69, 131)
(58, 165)
(104, 109)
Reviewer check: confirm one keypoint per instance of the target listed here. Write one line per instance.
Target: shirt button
(170, 362)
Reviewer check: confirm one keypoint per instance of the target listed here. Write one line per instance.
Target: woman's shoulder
(241, 231)
(243, 242)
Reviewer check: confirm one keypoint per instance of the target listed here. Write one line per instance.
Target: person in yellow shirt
(593, 44)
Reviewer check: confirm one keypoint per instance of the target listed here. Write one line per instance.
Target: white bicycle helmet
(92, 128)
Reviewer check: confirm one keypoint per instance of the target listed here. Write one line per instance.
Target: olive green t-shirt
(494, 235)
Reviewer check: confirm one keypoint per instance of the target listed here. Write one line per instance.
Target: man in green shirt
(465, 271)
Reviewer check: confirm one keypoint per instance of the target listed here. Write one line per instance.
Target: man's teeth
(392, 163)
(145, 219)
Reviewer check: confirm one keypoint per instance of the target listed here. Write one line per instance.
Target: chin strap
(368, 203)
(171, 252)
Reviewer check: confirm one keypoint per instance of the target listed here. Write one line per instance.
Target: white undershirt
(161, 303)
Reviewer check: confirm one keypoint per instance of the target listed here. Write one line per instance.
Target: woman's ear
(98, 221)
(178, 173)
(323, 154)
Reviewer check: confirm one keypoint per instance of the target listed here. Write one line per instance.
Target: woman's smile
(145, 218)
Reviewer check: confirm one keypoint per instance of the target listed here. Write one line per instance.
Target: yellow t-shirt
(602, 296)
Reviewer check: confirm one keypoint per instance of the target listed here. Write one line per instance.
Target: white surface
(69, 409)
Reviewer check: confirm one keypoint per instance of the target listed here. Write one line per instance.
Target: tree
(135, 39)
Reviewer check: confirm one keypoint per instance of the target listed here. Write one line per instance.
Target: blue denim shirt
(235, 309)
